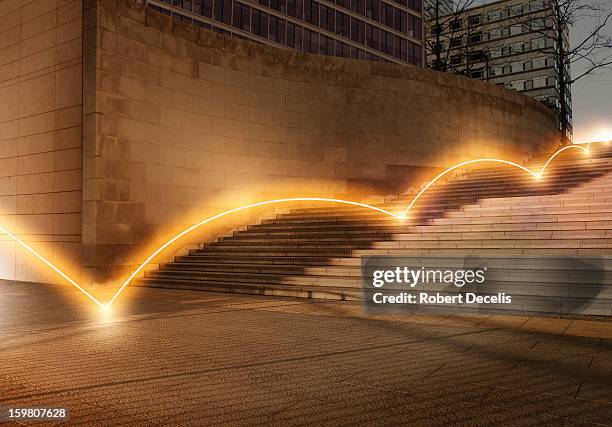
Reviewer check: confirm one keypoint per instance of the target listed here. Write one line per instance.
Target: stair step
(492, 211)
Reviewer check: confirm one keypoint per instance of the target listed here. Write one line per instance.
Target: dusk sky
(592, 96)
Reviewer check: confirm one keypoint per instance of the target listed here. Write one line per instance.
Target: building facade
(376, 30)
(507, 43)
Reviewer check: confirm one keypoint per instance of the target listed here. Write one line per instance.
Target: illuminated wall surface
(179, 122)
(40, 133)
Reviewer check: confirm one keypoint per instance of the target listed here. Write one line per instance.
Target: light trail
(50, 265)
(229, 212)
(399, 216)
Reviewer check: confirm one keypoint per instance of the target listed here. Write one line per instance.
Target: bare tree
(593, 51)
(444, 33)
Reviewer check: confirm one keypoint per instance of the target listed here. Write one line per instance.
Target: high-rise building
(377, 30)
(507, 43)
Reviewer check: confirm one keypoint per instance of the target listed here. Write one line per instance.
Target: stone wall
(180, 122)
(40, 134)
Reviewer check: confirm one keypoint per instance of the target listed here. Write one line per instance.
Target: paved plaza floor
(165, 357)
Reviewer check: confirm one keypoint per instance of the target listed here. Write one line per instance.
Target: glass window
(330, 46)
(307, 40)
(396, 47)
(361, 32)
(517, 47)
(281, 31)
(455, 59)
(475, 38)
(272, 35)
(456, 42)
(376, 38)
(516, 9)
(237, 16)
(477, 74)
(207, 8)
(323, 17)
(456, 24)
(354, 31)
(290, 34)
(528, 84)
(494, 15)
(516, 29)
(255, 19)
(495, 33)
(539, 82)
(246, 16)
(227, 12)
(314, 42)
(397, 20)
(389, 19)
(299, 31)
(518, 85)
(474, 20)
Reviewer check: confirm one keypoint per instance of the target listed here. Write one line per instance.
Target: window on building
(456, 24)
(517, 67)
(496, 53)
(494, 15)
(436, 29)
(495, 71)
(527, 65)
(495, 33)
(537, 24)
(528, 84)
(478, 56)
(475, 38)
(477, 74)
(455, 59)
(507, 69)
(539, 82)
(456, 42)
(536, 5)
(538, 63)
(516, 29)
(517, 47)
(539, 43)
(506, 50)
(518, 85)
(515, 10)
(474, 20)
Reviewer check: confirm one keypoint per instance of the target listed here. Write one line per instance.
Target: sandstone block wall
(40, 134)
(180, 123)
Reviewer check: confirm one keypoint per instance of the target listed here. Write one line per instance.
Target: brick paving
(196, 358)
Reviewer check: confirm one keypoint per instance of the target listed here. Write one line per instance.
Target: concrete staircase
(495, 211)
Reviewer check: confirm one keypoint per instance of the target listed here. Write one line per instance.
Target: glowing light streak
(401, 216)
(229, 212)
(49, 264)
